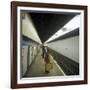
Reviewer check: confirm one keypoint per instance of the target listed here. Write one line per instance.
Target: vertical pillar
(28, 53)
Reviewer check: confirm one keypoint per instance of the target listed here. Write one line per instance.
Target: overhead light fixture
(64, 29)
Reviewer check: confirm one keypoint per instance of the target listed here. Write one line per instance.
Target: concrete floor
(37, 68)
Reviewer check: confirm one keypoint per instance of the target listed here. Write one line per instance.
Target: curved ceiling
(47, 24)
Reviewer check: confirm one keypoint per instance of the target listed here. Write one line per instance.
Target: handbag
(48, 66)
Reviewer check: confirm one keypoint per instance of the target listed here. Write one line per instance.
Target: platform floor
(37, 68)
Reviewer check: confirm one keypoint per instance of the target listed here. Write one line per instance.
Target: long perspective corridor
(49, 44)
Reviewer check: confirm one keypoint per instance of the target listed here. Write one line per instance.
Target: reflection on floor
(37, 68)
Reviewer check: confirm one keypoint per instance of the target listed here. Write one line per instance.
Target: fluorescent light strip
(70, 26)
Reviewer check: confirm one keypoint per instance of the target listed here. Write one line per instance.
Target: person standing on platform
(46, 57)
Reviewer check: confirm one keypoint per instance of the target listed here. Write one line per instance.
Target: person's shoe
(46, 71)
